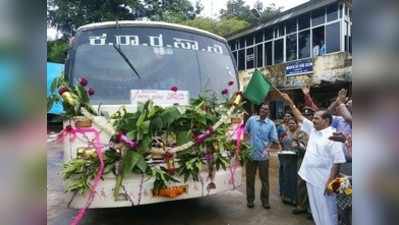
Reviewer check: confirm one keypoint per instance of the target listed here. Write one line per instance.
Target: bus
(120, 56)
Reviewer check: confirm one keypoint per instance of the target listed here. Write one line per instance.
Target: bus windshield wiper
(121, 53)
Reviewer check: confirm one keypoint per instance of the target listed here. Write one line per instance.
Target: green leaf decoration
(152, 126)
(170, 115)
(82, 93)
(183, 137)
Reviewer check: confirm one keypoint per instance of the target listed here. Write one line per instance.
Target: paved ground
(222, 209)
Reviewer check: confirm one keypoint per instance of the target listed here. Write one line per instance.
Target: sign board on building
(299, 67)
(161, 98)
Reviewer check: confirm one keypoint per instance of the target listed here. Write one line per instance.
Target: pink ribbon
(238, 131)
(99, 150)
(69, 130)
(123, 138)
(201, 138)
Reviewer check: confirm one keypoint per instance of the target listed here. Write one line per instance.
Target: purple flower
(122, 138)
(118, 137)
(209, 156)
(91, 92)
(174, 88)
(68, 129)
(201, 138)
(231, 83)
(132, 144)
(83, 81)
(225, 92)
(62, 90)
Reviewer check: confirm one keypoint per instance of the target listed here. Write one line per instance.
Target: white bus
(117, 57)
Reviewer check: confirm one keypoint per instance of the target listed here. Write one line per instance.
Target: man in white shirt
(320, 164)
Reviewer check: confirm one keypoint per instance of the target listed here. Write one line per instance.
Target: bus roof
(132, 23)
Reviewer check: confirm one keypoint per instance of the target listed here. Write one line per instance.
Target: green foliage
(162, 177)
(228, 26)
(78, 172)
(57, 51)
(244, 153)
(223, 27)
(131, 161)
(76, 98)
(67, 16)
(173, 11)
(191, 164)
(254, 15)
(171, 126)
(54, 97)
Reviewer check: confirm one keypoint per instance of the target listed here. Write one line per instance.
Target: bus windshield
(161, 58)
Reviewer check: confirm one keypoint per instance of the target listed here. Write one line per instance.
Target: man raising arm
(320, 163)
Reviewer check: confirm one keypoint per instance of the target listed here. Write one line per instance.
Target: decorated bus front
(153, 115)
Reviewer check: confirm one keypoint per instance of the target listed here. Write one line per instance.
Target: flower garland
(128, 146)
(199, 139)
(341, 185)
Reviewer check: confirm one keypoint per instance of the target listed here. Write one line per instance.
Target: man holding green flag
(257, 88)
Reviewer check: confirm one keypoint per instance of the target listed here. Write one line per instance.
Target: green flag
(257, 88)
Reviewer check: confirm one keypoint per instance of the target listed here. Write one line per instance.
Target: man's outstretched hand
(340, 137)
(341, 98)
(286, 98)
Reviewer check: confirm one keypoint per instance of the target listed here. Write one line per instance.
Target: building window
(259, 55)
(291, 26)
(304, 21)
(258, 37)
(268, 34)
(318, 17)
(333, 37)
(332, 12)
(291, 47)
(232, 45)
(347, 34)
(235, 58)
(250, 58)
(350, 41)
(341, 10)
(268, 53)
(304, 44)
(279, 30)
(278, 51)
(242, 42)
(350, 14)
(250, 39)
(241, 59)
(319, 47)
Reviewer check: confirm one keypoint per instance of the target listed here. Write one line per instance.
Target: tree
(57, 50)
(256, 15)
(207, 24)
(267, 13)
(171, 10)
(222, 27)
(238, 9)
(229, 26)
(67, 16)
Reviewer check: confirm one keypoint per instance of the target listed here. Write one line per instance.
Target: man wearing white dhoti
(320, 163)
